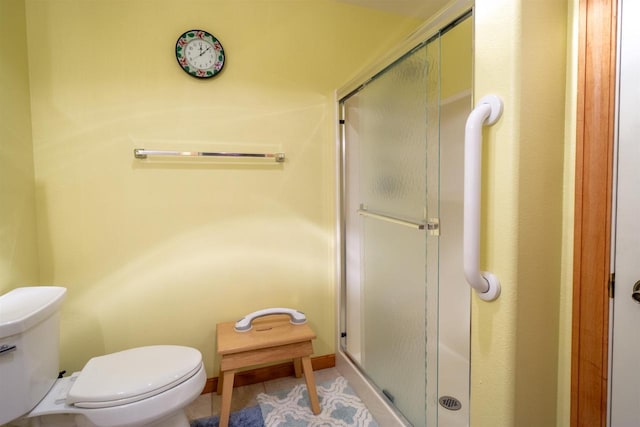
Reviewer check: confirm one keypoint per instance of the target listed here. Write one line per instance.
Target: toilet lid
(132, 375)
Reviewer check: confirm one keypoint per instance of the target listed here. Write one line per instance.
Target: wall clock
(199, 54)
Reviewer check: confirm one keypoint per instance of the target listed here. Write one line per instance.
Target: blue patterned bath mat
(339, 405)
(247, 417)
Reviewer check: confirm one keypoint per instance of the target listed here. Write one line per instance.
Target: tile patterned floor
(207, 405)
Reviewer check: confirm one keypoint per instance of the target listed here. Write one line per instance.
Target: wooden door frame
(592, 227)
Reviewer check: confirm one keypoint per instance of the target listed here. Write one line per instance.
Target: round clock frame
(200, 54)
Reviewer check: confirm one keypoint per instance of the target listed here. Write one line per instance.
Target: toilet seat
(132, 375)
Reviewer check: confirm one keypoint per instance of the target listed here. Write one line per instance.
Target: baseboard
(272, 372)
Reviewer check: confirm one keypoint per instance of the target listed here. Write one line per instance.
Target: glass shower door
(391, 190)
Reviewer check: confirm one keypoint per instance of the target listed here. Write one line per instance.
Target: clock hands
(204, 51)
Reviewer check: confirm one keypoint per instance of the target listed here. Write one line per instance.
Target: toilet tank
(29, 341)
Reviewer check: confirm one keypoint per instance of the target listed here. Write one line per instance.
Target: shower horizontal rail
(141, 153)
(487, 112)
(387, 218)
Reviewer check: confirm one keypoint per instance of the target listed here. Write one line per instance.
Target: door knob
(636, 292)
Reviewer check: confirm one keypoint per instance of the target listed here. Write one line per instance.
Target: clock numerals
(200, 55)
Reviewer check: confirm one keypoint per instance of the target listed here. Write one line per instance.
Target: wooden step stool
(272, 339)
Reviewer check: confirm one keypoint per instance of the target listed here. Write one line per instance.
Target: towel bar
(141, 153)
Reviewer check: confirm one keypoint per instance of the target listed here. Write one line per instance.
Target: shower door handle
(487, 112)
(417, 225)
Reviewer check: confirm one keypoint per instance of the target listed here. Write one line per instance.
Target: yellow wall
(566, 290)
(520, 55)
(159, 252)
(18, 254)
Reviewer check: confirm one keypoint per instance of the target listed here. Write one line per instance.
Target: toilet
(139, 386)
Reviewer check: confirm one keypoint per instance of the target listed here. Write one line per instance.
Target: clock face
(199, 54)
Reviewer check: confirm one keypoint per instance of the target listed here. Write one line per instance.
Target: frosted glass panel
(394, 314)
(406, 316)
(385, 132)
(393, 133)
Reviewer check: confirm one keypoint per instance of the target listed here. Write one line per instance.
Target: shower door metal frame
(428, 30)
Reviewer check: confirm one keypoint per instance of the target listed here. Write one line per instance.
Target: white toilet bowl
(129, 388)
(140, 386)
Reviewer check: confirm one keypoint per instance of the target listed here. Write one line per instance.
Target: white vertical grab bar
(487, 112)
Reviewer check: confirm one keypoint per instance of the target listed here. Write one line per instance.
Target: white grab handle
(487, 112)
(245, 324)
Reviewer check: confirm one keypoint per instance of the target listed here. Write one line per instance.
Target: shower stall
(404, 303)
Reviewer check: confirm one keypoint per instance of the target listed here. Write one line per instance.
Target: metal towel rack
(432, 225)
(387, 218)
(487, 112)
(141, 153)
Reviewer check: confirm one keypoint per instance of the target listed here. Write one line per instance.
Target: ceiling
(416, 8)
